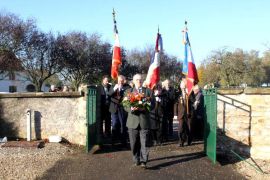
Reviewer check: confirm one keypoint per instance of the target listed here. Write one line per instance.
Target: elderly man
(185, 115)
(138, 124)
(118, 113)
(169, 100)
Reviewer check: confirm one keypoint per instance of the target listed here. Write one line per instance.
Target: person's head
(137, 80)
(166, 84)
(131, 84)
(121, 80)
(52, 87)
(196, 89)
(65, 89)
(144, 84)
(183, 84)
(157, 87)
(105, 80)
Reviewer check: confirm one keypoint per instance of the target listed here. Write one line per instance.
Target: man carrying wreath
(138, 123)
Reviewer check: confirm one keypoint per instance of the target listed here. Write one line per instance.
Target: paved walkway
(166, 162)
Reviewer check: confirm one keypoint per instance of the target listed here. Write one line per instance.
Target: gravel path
(58, 161)
(165, 162)
(21, 163)
(250, 172)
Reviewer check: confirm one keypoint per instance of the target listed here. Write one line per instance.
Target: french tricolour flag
(153, 72)
(189, 68)
(116, 59)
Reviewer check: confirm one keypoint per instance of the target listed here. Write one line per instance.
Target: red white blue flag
(189, 67)
(116, 59)
(153, 75)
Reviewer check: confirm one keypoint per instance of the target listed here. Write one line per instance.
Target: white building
(17, 82)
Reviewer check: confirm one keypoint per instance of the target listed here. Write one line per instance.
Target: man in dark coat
(138, 125)
(198, 112)
(169, 100)
(185, 116)
(156, 114)
(104, 107)
(116, 94)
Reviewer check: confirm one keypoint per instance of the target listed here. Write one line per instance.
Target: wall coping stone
(235, 91)
(41, 95)
(257, 91)
(230, 91)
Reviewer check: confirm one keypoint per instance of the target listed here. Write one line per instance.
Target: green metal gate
(210, 123)
(92, 116)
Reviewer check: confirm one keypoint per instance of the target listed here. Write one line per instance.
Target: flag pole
(187, 96)
(114, 22)
(116, 60)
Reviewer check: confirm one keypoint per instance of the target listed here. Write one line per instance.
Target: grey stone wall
(61, 114)
(244, 117)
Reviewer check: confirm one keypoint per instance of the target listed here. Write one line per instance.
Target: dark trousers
(170, 126)
(164, 129)
(198, 128)
(105, 118)
(156, 135)
(119, 130)
(139, 144)
(185, 130)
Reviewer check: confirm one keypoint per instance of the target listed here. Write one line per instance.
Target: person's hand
(115, 87)
(195, 105)
(120, 86)
(134, 108)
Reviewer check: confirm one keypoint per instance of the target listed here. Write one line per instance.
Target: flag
(189, 67)
(116, 59)
(153, 76)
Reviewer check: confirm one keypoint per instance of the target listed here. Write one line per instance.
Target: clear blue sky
(212, 24)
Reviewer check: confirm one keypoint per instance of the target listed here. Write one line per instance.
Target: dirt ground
(165, 162)
(66, 161)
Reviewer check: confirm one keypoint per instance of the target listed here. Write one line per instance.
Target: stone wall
(61, 114)
(244, 117)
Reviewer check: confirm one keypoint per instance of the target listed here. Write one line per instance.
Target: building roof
(9, 62)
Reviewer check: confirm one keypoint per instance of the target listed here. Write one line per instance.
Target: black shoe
(181, 144)
(124, 145)
(137, 163)
(143, 165)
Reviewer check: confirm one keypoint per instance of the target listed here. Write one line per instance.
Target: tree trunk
(39, 86)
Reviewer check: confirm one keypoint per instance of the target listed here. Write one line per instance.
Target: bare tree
(87, 58)
(40, 57)
(11, 35)
(23, 44)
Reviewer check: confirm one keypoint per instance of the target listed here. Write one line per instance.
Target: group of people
(141, 126)
(59, 89)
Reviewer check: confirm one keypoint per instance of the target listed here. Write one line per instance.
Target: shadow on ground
(165, 162)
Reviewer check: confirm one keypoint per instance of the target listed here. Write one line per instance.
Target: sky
(212, 24)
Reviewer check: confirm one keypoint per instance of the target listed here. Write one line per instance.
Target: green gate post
(92, 116)
(210, 123)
